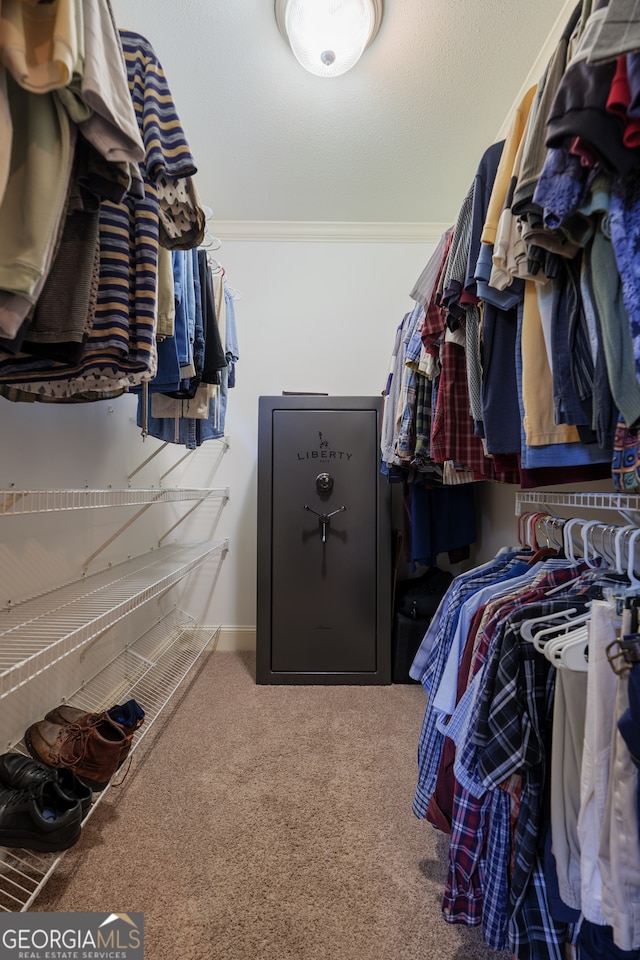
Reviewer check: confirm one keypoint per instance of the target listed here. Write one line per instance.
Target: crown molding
(334, 232)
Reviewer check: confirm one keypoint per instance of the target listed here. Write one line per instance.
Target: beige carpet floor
(271, 823)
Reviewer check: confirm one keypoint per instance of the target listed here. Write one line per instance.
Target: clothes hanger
(209, 242)
(570, 651)
(540, 553)
(634, 582)
(533, 530)
(527, 537)
(528, 626)
(552, 525)
(558, 631)
(609, 577)
(522, 530)
(567, 539)
(568, 553)
(607, 551)
(568, 648)
(620, 535)
(577, 628)
(215, 266)
(575, 657)
(585, 544)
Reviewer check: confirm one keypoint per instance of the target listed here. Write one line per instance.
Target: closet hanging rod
(590, 501)
(616, 545)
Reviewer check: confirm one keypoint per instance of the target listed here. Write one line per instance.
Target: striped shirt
(121, 348)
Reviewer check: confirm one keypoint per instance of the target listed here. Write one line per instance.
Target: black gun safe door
(324, 532)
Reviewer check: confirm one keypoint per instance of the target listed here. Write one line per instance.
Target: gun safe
(324, 542)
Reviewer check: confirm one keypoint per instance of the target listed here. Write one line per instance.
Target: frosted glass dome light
(328, 37)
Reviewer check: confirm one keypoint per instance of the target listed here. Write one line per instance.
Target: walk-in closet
(319, 492)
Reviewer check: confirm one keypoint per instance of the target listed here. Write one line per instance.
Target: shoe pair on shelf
(92, 745)
(40, 808)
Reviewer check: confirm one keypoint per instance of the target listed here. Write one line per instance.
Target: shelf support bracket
(148, 460)
(187, 514)
(188, 454)
(115, 536)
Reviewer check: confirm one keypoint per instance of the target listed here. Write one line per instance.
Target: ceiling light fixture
(328, 37)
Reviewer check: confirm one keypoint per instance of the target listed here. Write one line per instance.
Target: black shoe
(39, 818)
(19, 772)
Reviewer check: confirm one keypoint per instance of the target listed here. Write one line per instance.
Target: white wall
(322, 317)
(315, 316)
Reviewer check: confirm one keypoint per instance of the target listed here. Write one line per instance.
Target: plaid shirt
(476, 887)
(422, 452)
(406, 435)
(471, 814)
(486, 659)
(452, 435)
(448, 605)
(430, 661)
(533, 933)
(512, 732)
(453, 431)
(517, 725)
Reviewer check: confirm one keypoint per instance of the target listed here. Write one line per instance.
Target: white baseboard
(236, 638)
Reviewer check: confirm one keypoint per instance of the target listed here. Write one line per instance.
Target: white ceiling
(395, 140)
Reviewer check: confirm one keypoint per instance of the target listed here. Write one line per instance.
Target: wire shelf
(151, 670)
(39, 632)
(591, 501)
(21, 502)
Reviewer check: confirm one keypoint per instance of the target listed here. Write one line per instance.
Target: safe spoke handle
(324, 519)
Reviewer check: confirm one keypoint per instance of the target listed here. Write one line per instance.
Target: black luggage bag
(416, 601)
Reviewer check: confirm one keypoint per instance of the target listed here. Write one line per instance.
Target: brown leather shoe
(65, 714)
(91, 747)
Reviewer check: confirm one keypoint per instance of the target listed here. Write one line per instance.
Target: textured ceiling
(397, 139)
